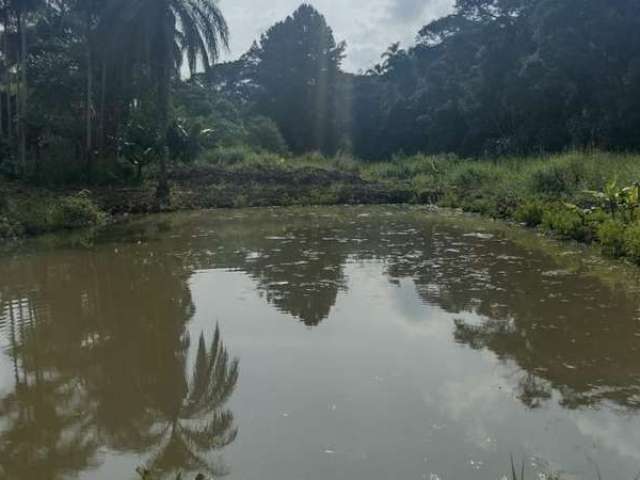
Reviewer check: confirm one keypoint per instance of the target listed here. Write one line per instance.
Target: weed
(632, 242)
(76, 211)
(611, 235)
(531, 213)
(567, 223)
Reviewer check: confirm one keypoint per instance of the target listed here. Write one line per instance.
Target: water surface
(343, 343)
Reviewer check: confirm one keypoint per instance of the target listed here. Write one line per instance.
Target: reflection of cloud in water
(473, 395)
(620, 434)
(389, 342)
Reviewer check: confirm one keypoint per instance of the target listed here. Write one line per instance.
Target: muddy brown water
(356, 343)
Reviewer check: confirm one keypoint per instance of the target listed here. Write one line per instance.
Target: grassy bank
(227, 178)
(588, 197)
(28, 211)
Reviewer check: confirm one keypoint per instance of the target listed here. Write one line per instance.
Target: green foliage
(92, 67)
(494, 97)
(39, 214)
(611, 235)
(264, 134)
(555, 180)
(567, 222)
(183, 141)
(34, 215)
(76, 211)
(473, 176)
(141, 141)
(227, 156)
(531, 213)
(632, 242)
(297, 65)
(7, 228)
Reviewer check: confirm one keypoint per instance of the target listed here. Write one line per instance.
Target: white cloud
(368, 26)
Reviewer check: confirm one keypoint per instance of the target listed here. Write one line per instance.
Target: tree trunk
(9, 113)
(22, 131)
(4, 78)
(1, 114)
(89, 107)
(103, 97)
(163, 192)
(8, 83)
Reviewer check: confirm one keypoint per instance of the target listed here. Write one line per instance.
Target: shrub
(76, 211)
(225, 133)
(425, 188)
(472, 177)
(567, 223)
(611, 235)
(240, 201)
(562, 177)
(632, 242)
(7, 228)
(34, 214)
(227, 156)
(505, 203)
(530, 213)
(388, 171)
(264, 134)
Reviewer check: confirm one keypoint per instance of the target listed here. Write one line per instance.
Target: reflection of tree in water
(198, 424)
(44, 434)
(99, 348)
(298, 264)
(300, 277)
(566, 331)
(298, 258)
(100, 342)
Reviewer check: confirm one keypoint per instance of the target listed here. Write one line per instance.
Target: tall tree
(159, 34)
(22, 10)
(298, 70)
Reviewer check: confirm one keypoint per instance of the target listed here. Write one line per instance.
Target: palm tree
(160, 34)
(196, 420)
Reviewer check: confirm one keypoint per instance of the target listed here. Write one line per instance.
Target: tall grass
(585, 196)
(546, 176)
(243, 157)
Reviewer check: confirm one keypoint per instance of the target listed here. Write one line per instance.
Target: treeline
(508, 77)
(85, 83)
(94, 90)
(494, 77)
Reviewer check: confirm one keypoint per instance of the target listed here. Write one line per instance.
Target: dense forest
(94, 90)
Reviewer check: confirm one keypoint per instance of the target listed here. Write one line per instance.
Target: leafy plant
(611, 235)
(530, 213)
(567, 221)
(76, 211)
(632, 242)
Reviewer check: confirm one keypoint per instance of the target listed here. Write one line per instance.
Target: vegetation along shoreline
(588, 197)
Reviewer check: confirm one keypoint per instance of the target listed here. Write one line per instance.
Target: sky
(368, 26)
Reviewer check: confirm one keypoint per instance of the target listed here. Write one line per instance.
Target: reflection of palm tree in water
(55, 419)
(98, 348)
(196, 422)
(45, 434)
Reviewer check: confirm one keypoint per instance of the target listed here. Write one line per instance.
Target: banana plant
(609, 198)
(615, 199)
(629, 199)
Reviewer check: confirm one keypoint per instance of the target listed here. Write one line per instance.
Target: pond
(355, 343)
